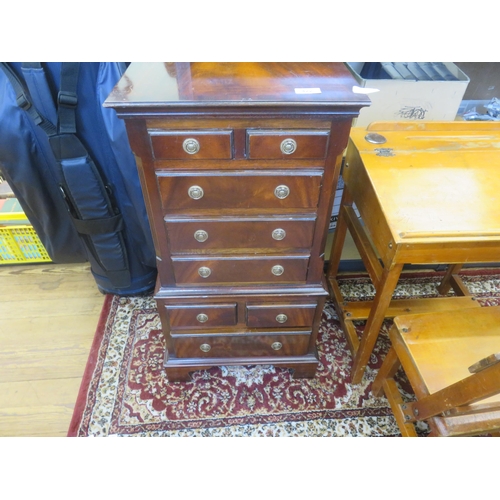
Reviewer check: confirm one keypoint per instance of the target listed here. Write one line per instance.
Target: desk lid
(434, 181)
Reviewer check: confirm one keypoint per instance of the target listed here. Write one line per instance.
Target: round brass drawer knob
(288, 146)
(195, 192)
(282, 192)
(204, 272)
(202, 318)
(276, 346)
(279, 234)
(278, 270)
(191, 146)
(205, 347)
(281, 318)
(201, 236)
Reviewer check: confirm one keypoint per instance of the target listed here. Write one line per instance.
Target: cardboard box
(409, 100)
(336, 205)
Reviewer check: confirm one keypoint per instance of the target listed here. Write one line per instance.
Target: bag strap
(39, 89)
(23, 100)
(67, 98)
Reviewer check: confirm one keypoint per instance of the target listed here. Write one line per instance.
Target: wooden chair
(438, 353)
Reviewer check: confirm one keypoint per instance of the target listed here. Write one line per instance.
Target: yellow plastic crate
(19, 243)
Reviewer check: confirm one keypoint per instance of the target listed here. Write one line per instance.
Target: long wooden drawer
(287, 144)
(192, 145)
(222, 234)
(241, 270)
(282, 315)
(272, 190)
(195, 316)
(241, 345)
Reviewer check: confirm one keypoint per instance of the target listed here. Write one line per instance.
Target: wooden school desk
(427, 193)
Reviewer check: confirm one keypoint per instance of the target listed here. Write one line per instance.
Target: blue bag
(69, 163)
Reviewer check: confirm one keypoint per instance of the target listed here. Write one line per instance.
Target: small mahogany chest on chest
(238, 164)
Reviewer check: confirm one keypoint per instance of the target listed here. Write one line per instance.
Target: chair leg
(388, 369)
(384, 384)
(394, 397)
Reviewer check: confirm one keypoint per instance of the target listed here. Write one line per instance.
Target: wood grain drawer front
(284, 315)
(196, 145)
(242, 345)
(201, 316)
(243, 270)
(283, 144)
(206, 235)
(270, 190)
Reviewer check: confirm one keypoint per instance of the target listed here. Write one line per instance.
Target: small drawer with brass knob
(201, 316)
(191, 145)
(285, 315)
(287, 144)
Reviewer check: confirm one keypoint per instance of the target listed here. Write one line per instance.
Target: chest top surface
(245, 85)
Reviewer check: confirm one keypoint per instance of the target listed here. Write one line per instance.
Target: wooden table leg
(452, 280)
(333, 268)
(371, 331)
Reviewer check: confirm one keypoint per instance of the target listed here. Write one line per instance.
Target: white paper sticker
(314, 90)
(363, 90)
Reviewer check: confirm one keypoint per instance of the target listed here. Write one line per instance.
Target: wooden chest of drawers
(238, 164)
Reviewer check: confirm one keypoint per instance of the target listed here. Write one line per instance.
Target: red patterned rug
(125, 391)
